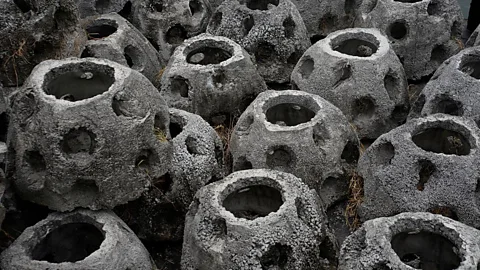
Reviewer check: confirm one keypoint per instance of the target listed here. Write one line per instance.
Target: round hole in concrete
(134, 57)
(425, 250)
(208, 55)
(68, 243)
(176, 35)
(261, 4)
(253, 201)
(78, 141)
(280, 158)
(470, 65)
(398, 30)
(359, 45)
(156, 5)
(289, 114)
(78, 81)
(101, 29)
(442, 140)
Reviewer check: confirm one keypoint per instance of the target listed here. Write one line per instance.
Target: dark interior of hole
(471, 67)
(264, 52)
(426, 170)
(101, 5)
(444, 211)
(176, 35)
(276, 257)
(156, 5)
(195, 7)
(35, 160)
(129, 60)
(126, 10)
(433, 8)
(69, 243)
(132, 56)
(248, 23)
(449, 106)
(261, 4)
(440, 140)
(175, 129)
(289, 27)
(363, 107)
(279, 86)
(180, 86)
(439, 54)
(79, 140)
(208, 55)
(356, 47)
(163, 183)
(351, 152)
(315, 38)
(192, 145)
(289, 114)
(79, 85)
(3, 127)
(398, 30)
(86, 53)
(425, 250)
(280, 158)
(253, 201)
(242, 164)
(23, 5)
(100, 31)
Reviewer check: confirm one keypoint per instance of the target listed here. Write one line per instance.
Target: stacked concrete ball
(273, 31)
(77, 240)
(424, 33)
(411, 241)
(112, 37)
(417, 167)
(87, 133)
(211, 76)
(257, 219)
(357, 71)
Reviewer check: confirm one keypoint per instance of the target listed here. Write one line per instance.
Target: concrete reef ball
(298, 133)
(411, 241)
(417, 167)
(88, 8)
(423, 33)
(87, 133)
(197, 159)
(112, 37)
(211, 76)
(257, 219)
(453, 89)
(357, 71)
(273, 31)
(167, 23)
(79, 240)
(34, 31)
(474, 39)
(324, 17)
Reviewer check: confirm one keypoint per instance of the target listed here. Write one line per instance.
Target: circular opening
(289, 114)
(470, 65)
(79, 81)
(101, 29)
(398, 30)
(425, 250)
(261, 4)
(253, 201)
(208, 55)
(441, 140)
(78, 141)
(176, 35)
(69, 243)
(362, 45)
(134, 57)
(156, 5)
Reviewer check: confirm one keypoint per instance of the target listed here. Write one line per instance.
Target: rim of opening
(305, 101)
(210, 43)
(368, 35)
(110, 24)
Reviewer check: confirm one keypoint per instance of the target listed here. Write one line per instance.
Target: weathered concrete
(211, 76)
(34, 31)
(168, 23)
(298, 133)
(197, 159)
(88, 8)
(453, 89)
(113, 37)
(357, 71)
(80, 240)
(411, 241)
(87, 133)
(474, 39)
(424, 33)
(257, 219)
(416, 168)
(273, 31)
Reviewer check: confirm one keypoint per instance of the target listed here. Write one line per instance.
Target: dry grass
(160, 135)
(355, 198)
(18, 53)
(225, 134)
(159, 75)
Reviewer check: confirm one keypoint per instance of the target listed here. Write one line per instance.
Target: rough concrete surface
(88, 8)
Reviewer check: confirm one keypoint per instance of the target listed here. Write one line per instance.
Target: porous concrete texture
(324, 17)
(211, 76)
(423, 33)
(416, 168)
(2, 191)
(357, 71)
(257, 219)
(113, 37)
(411, 241)
(87, 133)
(298, 133)
(271, 30)
(88, 8)
(453, 89)
(197, 159)
(80, 240)
(167, 23)
(36, 30)
(474, 39)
